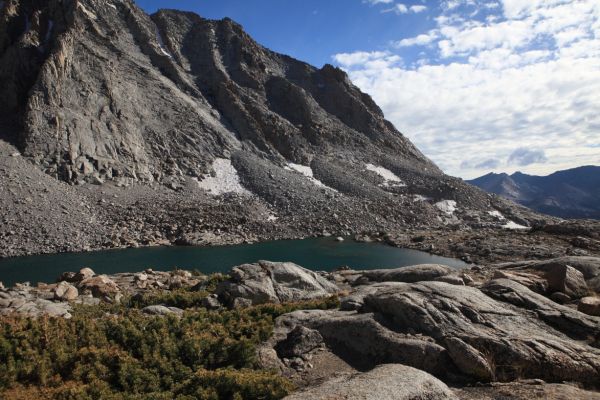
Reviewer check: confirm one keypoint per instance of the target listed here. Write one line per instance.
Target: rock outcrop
(502, 332)
(140, 121)
(385, 382)
(269, 282)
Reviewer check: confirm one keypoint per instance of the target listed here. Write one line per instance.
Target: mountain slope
(573, 193)
(191, 127)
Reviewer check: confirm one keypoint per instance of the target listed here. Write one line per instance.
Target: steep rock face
(97, 88)
(170, 112)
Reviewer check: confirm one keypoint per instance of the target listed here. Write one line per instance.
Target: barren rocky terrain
(522, 330)
(122, 129)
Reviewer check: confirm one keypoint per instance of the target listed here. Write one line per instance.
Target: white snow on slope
(161, 44)
(226, 179)
(496, 214)
(513, 226)
(389, 177)
(446, 206)
(308, 172)
(420, 197)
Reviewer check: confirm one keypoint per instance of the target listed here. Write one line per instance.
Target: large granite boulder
(410, 274)
(272, 282)
(385, 382)
(502, 332)
(560, 274)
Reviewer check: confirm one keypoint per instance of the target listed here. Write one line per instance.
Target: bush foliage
(117, 352)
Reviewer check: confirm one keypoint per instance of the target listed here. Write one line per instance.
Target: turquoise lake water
(317, 254)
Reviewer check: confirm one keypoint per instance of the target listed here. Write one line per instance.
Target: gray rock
(451, 279)
(588, 266)
(84, 273)
(414, 273)
(273, 282)
(298, 342)
(100, 286)
(369, 342)
(469, 360)
(211, 302)
(385, 382)
(66, 292)
(162, 310)
(504, 332)
(566, 279)
(590, 306)
(560, 297)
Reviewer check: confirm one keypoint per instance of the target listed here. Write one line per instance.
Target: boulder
(451, 279)
(162, 310)
(588, 266)
(503, 332)
(589, 306)
(385, 382)
(211, 302)
(469, 360)
(99, 286)
(362, 338)
(269, 282)
(534, 282)
(414, 273)
(298, 342)
(566, 279)
(84, 273)
(65, 292)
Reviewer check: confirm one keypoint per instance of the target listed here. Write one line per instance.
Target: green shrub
(117, 352)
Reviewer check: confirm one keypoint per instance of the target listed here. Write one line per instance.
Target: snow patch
(308, 172)
(496, 214)
(112, 6)
(419, 197)
(161, 44)
(389, 177)
(87, 12)
(226, 179)
(446, 206)
(514, 226)
(272, 218)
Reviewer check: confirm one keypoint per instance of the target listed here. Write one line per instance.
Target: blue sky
(310, 30)
(477, 85)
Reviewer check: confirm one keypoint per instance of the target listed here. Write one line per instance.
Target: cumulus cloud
(522, 74)
(419, 40)
(523, 157)
(378, 1)
(491, 163)
(401, 8)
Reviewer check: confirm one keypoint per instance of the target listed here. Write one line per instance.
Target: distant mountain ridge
(572, 193)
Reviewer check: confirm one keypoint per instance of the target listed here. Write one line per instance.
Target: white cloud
(378, 1)
(373, 60)
(400, 8)
(420, 40)
(528, 78)
(418, 8)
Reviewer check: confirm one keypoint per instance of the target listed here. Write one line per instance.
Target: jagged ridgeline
(99, 87)
(97, 91)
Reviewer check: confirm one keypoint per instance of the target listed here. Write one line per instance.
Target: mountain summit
(213, 134)
(572, 193)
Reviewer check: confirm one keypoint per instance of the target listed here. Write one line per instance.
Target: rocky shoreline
(528, 328)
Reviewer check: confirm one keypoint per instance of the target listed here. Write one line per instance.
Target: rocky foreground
(522, 330)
